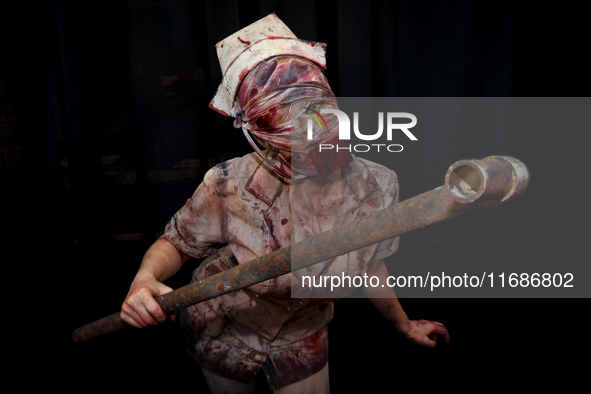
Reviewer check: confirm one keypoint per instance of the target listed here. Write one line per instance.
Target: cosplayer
(264, 201)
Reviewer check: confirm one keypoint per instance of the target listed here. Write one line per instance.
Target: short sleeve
(196, 229)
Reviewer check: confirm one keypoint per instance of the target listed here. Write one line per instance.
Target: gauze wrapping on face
(265, 105)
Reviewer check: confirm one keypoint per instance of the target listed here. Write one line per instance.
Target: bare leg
(315, 384)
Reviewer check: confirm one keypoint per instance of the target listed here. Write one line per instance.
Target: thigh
(220, 385)
(315, 384)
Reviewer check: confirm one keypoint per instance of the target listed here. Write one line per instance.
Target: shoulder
(384, 176)
(235, 168)
(231, 173)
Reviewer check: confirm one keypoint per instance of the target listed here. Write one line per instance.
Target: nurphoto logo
(344, 128)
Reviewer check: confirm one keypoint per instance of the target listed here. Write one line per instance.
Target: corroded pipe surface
(470, 185)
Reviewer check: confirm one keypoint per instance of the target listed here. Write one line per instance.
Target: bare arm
(161, 261)
(422, 332)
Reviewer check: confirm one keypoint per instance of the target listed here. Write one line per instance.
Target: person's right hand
(140, 309)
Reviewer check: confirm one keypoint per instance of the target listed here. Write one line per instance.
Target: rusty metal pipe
(470, 185)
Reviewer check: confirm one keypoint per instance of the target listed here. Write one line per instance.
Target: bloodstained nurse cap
(243, 50)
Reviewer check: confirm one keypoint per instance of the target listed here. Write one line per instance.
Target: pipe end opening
(465, 183)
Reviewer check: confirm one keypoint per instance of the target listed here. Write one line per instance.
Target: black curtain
(105, 132)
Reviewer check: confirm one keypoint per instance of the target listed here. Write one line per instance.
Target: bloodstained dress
(245, 205)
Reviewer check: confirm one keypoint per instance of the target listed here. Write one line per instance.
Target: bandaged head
(280, 82)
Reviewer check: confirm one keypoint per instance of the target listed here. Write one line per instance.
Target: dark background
(105, 132)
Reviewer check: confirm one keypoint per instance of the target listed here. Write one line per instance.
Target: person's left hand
(425, 332)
